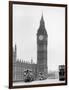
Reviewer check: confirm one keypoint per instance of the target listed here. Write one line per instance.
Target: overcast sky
(26, 21)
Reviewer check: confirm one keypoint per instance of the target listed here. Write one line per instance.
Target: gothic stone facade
(41, 67)
(42, 48)
(19, 66)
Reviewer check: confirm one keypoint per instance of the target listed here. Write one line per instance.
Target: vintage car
(41, 76)
(28, 75)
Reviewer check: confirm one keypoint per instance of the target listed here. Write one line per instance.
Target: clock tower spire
(42, 49)
(42, 29)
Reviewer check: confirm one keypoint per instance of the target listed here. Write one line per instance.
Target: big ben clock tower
(42, 49)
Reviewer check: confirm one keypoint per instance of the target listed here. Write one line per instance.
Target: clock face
(41, 37)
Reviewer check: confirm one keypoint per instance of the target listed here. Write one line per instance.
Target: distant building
(41, 67)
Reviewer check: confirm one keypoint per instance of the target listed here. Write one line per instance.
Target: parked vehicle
(28, 75)
(41, 76)
(61, 72)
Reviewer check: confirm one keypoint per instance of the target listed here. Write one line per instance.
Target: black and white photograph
(38, 45)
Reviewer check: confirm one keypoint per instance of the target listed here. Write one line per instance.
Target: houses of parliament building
(19, 65)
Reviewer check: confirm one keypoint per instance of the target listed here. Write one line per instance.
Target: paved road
(47, 81)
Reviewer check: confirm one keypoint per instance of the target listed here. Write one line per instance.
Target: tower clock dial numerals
(41, 37)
